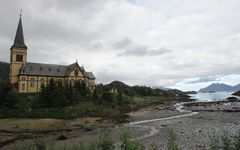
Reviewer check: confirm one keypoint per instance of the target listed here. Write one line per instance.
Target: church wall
(16, 66)
(32, 84)
(22, 84)
(25, 82)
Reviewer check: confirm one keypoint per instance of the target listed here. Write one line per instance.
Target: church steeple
(19, 38)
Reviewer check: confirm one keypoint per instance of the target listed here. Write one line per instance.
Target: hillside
(236, 93)
(4, 71)
(220, 87)
(236, 87)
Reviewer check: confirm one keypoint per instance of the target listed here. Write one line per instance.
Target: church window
(23, 87)
(32, 82)
(42, 82)
(59, 82)
(72, 82)
(80, 81)
(76, 72)
(19, 57)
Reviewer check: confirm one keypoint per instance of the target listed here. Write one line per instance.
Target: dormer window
(49, 69)
(19, 58)
(58, 70)
(40, 68)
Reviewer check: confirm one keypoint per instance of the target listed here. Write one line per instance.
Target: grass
(47, 124)
(79, 110)
(146, 99)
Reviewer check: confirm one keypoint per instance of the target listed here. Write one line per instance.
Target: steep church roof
(19, 38)
(40, 69)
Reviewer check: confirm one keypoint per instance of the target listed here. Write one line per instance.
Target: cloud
(204, 79)
(140, 51)
(150, 42)
(124, 43)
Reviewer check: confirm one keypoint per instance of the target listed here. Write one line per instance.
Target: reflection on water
(218, 96)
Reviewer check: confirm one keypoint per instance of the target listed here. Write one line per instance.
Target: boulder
(62, 137)
(232, 99)
(236, 93)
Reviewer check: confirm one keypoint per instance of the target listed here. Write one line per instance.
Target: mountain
(161, 88)
(236, 87)
(4, 71)
(217, 87)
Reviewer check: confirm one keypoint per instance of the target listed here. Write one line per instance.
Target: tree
(120, 98)
(95, 96)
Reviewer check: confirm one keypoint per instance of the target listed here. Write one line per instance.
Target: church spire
(19, 38)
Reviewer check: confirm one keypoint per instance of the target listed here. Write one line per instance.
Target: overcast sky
(185, 44)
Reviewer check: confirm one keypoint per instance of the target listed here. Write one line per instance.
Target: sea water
(217, 96)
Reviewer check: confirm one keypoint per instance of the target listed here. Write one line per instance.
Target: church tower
(18, 56)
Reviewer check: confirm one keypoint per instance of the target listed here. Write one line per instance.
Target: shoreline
(156, 112)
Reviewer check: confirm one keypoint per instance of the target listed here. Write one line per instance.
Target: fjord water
(217, 96)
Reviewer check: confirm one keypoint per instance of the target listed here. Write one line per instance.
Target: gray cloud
(124, 43)
(204, 79)
(140, 51)
(119, 39)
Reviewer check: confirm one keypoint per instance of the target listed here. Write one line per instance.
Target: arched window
(42, 82)
(80, 81)
(32, 82)
(59, 82)
(76, 72)
(19, 57)
(72, 82)
(23, 87)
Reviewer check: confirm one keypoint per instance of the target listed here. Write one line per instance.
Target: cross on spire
(21, 12)
(19, 39)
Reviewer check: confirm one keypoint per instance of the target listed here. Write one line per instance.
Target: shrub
(236, 143)
(172, 137)
(105, 142)
(127, 143)
(226, 142)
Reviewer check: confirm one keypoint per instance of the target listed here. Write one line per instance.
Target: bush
(105, 142)
(171, 145)
(127, 143)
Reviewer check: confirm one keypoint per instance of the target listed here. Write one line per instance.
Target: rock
(88, 129)
(236, 93)
(231, 99)
(160, 107)
(191, 92)
(62, 137)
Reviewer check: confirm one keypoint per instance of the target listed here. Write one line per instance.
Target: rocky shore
(148, 124)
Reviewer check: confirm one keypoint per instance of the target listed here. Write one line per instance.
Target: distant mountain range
(220, 87)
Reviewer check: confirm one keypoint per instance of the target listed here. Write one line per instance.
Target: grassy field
(86, 109)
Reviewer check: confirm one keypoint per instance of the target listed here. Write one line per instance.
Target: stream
(152, 129)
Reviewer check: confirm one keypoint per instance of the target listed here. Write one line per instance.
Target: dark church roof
(39, 69)
(90, 75)
(19, 38)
